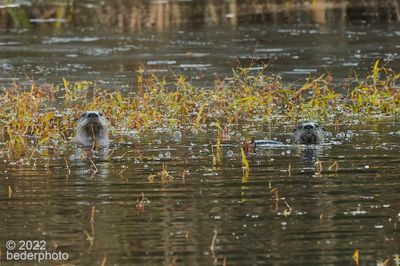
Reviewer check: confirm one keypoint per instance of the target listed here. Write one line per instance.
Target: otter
(309, 133)
(92, 128)
(251, 146)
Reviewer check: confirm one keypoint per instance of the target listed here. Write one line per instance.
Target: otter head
(92, 118)
(92, 127)
(309, 133)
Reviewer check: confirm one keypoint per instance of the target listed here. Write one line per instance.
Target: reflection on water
(286, 212)
(293, 51)
(135, 15)
(107, 41)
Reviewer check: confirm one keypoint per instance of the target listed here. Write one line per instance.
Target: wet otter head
(309, 133)
(92, 128)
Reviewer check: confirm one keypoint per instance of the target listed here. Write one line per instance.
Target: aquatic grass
(276, 198)
(216, 155)
(163, 175)
(140, 204)
(44, 115)
(378, 93)
(245, 162)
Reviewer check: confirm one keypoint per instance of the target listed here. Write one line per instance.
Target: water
(286, 212)
(327, 216)
(295, 44)
(204, 54)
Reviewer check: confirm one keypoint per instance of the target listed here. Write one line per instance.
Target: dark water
(331, 214)
(283, 213)
(111, 59)
(106, 42)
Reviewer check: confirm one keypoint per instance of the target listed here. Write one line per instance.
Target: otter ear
(102, 115)
(108, 120)
(81, 116)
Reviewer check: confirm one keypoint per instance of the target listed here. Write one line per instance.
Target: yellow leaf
(376, 70)
(356, 256)
(199, 115)
(119, 100)
(245, 163)
(66, 83)
(48, 116)
(44, 140)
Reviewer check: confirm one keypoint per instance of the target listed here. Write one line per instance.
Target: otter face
(92, 126)
(91, 118)
(309, 133)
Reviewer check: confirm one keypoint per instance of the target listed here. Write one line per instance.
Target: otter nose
(93, 115)
(308, 127)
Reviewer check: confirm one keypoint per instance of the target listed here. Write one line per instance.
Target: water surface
(318, 218)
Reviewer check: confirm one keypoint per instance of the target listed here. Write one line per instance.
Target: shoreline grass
(44, 115)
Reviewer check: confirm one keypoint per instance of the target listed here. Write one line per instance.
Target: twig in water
(173, 262)
(104, 261)
(184, 176)
(112, 151)
(140, 204)
(334, 167)
(10, 191)
(275, 190)
(124, 168)
(68, 169)
(34, 165)
(90, 239)
(123, 155)
(287, 212)
(318, 167)
(212, 247)
(93, 212)
(94, 168)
